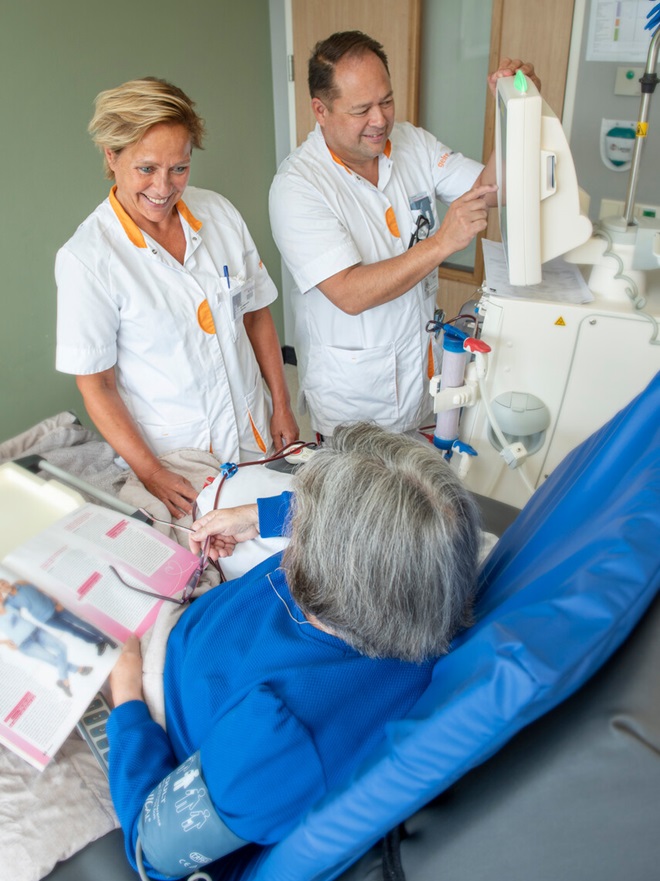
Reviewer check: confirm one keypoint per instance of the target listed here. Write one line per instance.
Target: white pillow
(245, 487)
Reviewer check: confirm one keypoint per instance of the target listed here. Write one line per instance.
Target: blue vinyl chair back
(560, 592)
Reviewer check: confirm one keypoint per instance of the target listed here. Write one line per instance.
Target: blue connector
(449, 447)
(653, 19)
(229, 469)
(461, 447)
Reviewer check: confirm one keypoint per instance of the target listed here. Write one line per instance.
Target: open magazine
(65, 610)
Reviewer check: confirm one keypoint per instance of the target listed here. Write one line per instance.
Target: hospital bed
(535, 751)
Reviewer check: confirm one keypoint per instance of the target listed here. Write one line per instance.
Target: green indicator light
(520, 81)
(630, 74)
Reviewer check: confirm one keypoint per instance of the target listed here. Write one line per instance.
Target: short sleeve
(262, 768)
(453, 173)
(87, 319)
(312, 239)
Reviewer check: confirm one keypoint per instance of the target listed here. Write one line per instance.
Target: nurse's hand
(508, 67)
(173, 490)
(283, 427)
(467, 216)
(226, 528)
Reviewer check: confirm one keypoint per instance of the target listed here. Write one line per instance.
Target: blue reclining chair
(560, 592)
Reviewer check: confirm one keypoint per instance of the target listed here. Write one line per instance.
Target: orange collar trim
(131, 228)
(386, 152)
(188, 216)
(340, 161)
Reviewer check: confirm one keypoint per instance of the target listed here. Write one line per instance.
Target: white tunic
(325, 218)
(184, 364)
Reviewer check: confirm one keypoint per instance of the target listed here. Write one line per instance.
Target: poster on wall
(616, 30)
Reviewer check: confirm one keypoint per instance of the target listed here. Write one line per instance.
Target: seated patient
(278, 684)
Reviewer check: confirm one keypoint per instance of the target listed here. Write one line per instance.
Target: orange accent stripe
(131, 228)
(388, 148)
(392, 225)
(340, 161)
(187, 214)
(430, 364)
(257, 436)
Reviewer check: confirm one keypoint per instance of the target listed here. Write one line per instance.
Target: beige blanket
(48, 816)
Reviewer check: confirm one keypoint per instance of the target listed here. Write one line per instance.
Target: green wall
(55, 56)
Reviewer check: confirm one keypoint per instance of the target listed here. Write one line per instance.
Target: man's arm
(110, 415)
(363, 286)
(261, 332)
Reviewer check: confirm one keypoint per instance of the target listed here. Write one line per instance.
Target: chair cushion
(561, 591)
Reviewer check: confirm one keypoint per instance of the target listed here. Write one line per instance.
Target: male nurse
(353, 213)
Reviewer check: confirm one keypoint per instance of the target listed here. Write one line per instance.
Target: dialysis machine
(542, 375)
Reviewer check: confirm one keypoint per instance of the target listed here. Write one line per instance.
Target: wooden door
(394, 23)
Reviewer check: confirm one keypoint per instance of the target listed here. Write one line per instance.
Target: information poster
(616, 30)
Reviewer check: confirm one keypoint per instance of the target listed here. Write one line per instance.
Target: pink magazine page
(72, 561)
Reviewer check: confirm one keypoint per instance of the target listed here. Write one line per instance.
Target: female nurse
(163, 303)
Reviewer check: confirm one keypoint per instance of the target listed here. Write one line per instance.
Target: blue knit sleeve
(140, 757)
(259, 763)
(273, 514)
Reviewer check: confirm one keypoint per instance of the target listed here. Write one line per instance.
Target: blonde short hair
(125, 114)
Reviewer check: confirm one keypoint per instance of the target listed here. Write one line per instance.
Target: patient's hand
(126, 677)
(227, 527)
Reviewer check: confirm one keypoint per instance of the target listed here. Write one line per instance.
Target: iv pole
(649, 81)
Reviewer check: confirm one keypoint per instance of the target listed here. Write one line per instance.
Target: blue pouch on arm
(179, 829)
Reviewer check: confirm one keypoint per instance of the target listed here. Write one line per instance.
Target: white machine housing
(583, 361)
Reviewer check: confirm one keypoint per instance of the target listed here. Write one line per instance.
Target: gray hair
(384, 544)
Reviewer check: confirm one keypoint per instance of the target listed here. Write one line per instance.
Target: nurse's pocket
(181, 435)
(348, 385)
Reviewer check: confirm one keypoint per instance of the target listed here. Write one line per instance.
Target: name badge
(242, 298)
(430, 284)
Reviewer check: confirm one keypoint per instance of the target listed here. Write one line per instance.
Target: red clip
(473, 345)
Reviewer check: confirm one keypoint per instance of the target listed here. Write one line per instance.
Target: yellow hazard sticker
(560, 322)
(642, 129)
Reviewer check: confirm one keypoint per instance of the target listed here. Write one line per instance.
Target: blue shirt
(28, 597)
(280, 711)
